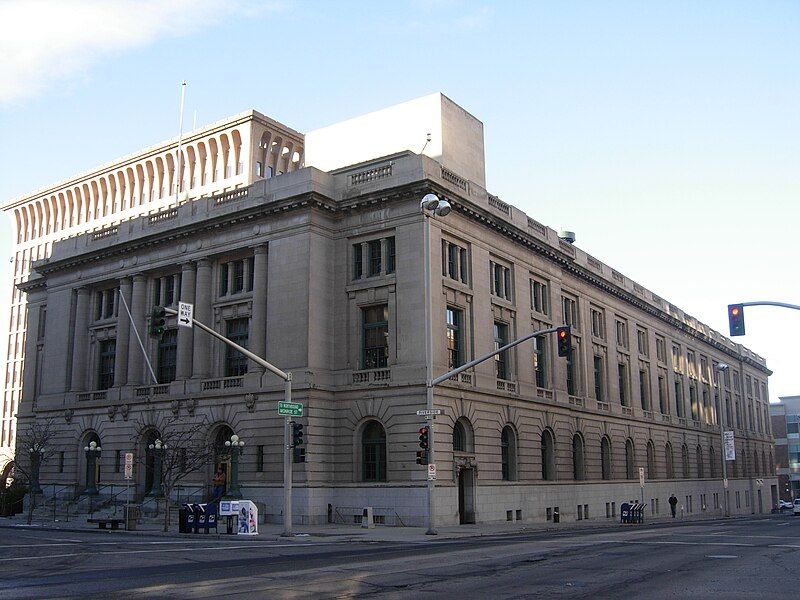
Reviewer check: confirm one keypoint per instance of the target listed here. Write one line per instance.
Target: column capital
(125, 281)
(188, 266)
(82, 290)
(203, 262)
(260, 249)
(139, 278)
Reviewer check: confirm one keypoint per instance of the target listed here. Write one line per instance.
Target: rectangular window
(375, 337)
(501, 360)
(642, 342)
(693, 406)
(98, 310)
(570, 311)
(374, 257)
(598, 323)
(223, 280)
(108, 307)
(117, 460)
(238, 276)
(358, 264)
(464, 265)
(644, 388)
(260, 459)
(661, 349)
(691, 368)
(622, 334)
(105, 371)
(663, 405)
(540, 297)
(540, 360)
(259, 168)
(677, 359)
(167, 356)
(501, 280)
(572, 387)
(61, 461)
(169, 290)
(237, 330)
(455, 342)
(599, 379)
(622, 375)
(452, 261)
(390, 255)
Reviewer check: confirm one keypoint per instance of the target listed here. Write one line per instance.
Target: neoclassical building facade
(322, 273)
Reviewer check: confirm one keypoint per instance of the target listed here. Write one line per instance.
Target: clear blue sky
(667, 135)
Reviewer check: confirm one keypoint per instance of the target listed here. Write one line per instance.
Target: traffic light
(423, 437)
(297, 434)
(422, 457)
(736, 319)
(299, 455)
(564, 337)
(158, 321)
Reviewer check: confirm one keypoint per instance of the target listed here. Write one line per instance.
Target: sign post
(641, 482)
(128, 477)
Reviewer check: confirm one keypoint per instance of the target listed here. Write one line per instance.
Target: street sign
(730, 447)
(725, 483)
(429, 413)
(290, 409)
(185, 314)
(641, 476)
(759, 482)
(431, 472)
(129, 458)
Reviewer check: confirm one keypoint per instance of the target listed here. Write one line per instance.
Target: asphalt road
(744, 558)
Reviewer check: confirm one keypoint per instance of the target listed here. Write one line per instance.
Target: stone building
(785, 417)
(322, 272)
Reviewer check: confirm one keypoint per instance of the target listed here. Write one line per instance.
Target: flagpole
(178, 158)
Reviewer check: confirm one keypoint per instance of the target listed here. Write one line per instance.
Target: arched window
(668, 457)
(771, 464)
(756, 466)
(548, 456)
(630, 460)
(373, 452)
(685, 460)
(764, 463)
(578, 462)
(508, 453)
(651, 460)
(700, 470)
(462, 436)
(605, 457)
(712, 459)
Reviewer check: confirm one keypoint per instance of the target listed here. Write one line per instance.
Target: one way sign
(185, 314)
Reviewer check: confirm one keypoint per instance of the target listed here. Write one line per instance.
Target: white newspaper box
(245, 513)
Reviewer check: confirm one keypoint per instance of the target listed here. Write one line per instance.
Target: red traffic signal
(736, 319)
(564, 337)
(422, 457)
(423, 438)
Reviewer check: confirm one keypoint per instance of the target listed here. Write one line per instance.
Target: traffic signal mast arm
(769, 303)
(255, 358)
(478, 360)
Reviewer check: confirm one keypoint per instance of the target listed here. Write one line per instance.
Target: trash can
(132, 514)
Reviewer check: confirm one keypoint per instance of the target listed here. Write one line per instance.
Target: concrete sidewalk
(335, 532)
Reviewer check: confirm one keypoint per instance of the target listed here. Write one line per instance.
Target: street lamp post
(36, 455)
(159, 449)
(430, 206)
(236, 447)
(93, 451)
(721, 368)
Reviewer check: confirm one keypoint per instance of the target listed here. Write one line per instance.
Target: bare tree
(181, 450)
(33, 450)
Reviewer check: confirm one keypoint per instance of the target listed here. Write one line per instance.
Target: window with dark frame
(540, 360)
(599, 383)
(663, 405)
(644, 389)
(540, 297)
(572, 387)
(375, 337)
(105, 371)
(390, 255)
(598, 323)
(374, 258)
(679, 405)
(358, 262)
(373, 452)
(455, 342)
(167, 356)
(500, 280)
(260, 459)
(622, 377)
(237, 330)
(570, 310)
(501, 359)
(622, 334)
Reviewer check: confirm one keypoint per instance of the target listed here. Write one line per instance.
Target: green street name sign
(290, 409)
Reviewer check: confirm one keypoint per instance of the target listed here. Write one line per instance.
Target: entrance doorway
(466, 496)
(760, 503)
(222, 454)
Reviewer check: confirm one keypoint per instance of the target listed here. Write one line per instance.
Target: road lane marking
(721, 556)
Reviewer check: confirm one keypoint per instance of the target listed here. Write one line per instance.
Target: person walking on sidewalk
(673, 504)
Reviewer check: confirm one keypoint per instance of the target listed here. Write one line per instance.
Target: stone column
(138, 307)
(32, 356)
(80, 341)
(258, 318)
(201, 364)
(123, 334)
(186, 334)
